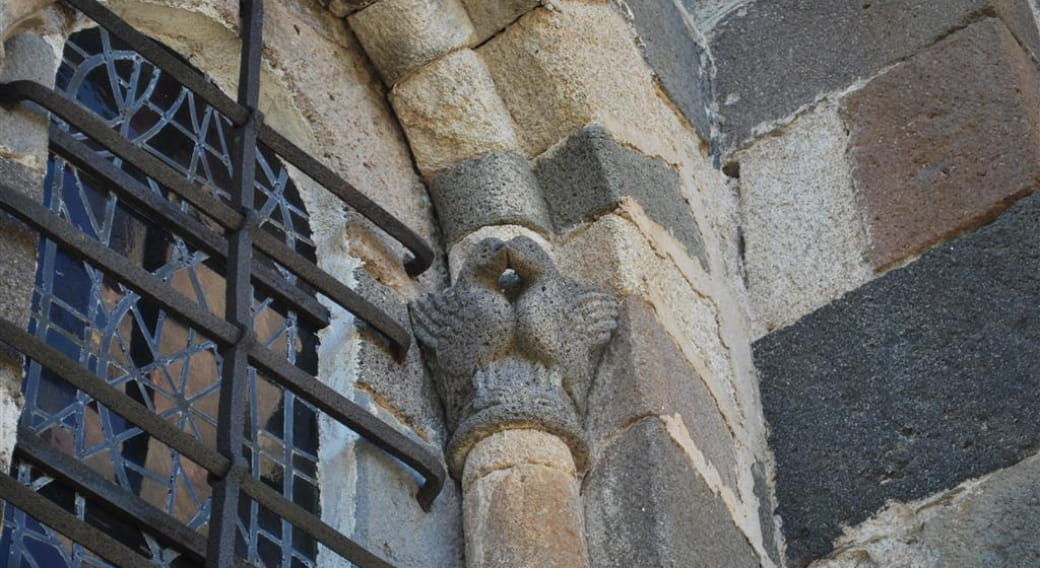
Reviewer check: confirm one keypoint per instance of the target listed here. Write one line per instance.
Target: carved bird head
(530, 262)
(486, 264)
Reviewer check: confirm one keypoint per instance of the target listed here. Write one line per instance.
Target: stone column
(513, 347)
(522, 506)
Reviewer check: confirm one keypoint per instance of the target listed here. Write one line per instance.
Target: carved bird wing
(592, 318)
(440, 324)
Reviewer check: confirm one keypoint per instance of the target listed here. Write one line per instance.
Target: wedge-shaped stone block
(451, 111)
(560, 70)
(643, 373)
(592, 172)
(401, 36)
(935, 154)
(491, 16)
(645, 505)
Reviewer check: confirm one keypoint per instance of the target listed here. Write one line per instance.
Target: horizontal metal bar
(116, 499)
(160, 56)
(422, 253)
(219, 211)
(355, 417)
(44, 510)
(143, 282)
(325, 283)
(307, 522)
(82, 379)
(161, 211)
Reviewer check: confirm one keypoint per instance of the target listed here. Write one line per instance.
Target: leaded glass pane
(155, 358)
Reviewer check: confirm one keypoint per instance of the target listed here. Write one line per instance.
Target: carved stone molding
(513, 344)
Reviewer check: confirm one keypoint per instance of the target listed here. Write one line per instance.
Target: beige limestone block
(805, 238)
(401, 36)
(521, 503)
(558, 70)
(490, 16)
(451, 111)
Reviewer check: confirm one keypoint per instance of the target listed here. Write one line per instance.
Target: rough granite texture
(645, 505)
(934, 154)
(491, 189)
(802, 48)
(23, 131)
(643, 373)
(591, 172)
(674, 54)
(401, 36)
(993, 521)
(908, 385)
(805, 239)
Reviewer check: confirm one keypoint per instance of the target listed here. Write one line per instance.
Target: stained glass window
(158, 360)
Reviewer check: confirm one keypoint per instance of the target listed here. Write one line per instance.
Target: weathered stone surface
(341, 8)
(522, 506)
(372, 499)
(451, 111)
(558, 70)
(934, 154)
(490, 17)
(492, 189)
(908, 385)
(612, 252)
(23, 131)
(513, 344)
(993, 521)
(773, 57)
(646, 506)
(398, 384)
(643, 373)
(805, 239)
(591, 172)
(678, 59)
(765, 513)
(401, 36)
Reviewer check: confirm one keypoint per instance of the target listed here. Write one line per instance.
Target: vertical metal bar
(235, 373)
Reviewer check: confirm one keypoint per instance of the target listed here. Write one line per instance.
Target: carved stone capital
(513, 345)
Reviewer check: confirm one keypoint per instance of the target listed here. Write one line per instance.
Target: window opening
(148, 279)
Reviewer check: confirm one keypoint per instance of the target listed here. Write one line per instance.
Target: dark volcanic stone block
(644, 373)
(774, 56)
(676, 57)
(934, 154)
(591, 172)
(491, 189)
(908, 385)
(645, 505)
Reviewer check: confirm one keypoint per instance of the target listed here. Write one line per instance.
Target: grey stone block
(402, 385)
(23, 132)
(773, 57)
(643, 373)
(908, 385)
(645, 505)
(676, 57)
(18, 246)
(491, 189)
(591, 172)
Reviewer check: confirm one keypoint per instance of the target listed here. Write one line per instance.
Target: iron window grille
(232, 235)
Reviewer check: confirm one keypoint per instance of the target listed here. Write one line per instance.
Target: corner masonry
(541, 133)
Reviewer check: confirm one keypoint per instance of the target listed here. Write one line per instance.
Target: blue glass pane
(154, 358)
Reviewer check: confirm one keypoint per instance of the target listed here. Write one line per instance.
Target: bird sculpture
(513, 340)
